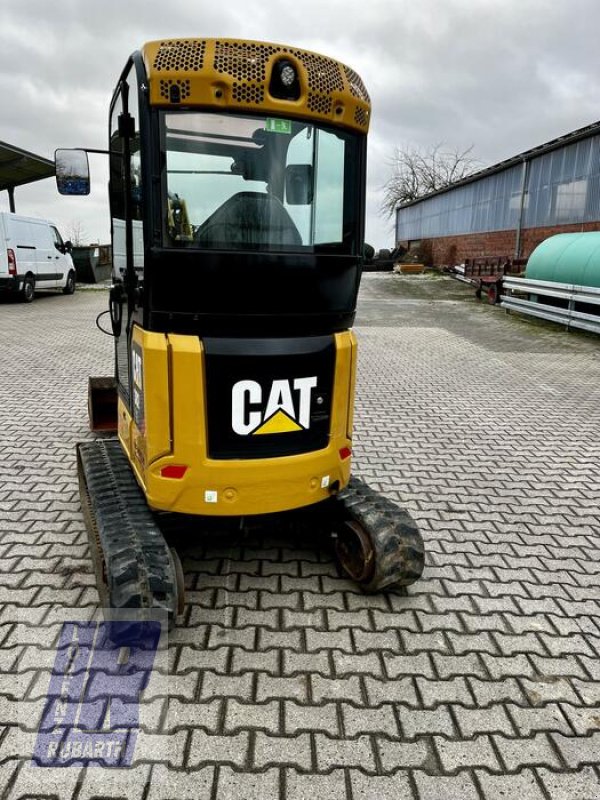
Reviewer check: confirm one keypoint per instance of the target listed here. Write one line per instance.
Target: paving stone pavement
(285, 680)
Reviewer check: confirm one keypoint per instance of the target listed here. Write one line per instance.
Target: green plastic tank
(567, 258)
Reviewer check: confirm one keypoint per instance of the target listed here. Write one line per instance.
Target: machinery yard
(283, 679)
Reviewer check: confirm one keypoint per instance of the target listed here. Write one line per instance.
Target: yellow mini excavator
(237, 197)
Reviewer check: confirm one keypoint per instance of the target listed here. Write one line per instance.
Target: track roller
(135, 569)
(378, 544)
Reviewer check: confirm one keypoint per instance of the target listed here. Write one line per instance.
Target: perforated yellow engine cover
(235, 74)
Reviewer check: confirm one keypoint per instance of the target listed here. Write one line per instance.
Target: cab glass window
(239, 182)
(119, 188)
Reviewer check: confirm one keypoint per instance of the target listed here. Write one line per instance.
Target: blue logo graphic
(91, 715)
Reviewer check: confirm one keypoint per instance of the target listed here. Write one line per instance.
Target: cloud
(503, 75)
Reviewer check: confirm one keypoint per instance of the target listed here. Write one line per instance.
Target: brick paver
(286, 681)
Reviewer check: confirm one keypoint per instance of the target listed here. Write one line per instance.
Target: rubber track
(134, 568)
(397, 542)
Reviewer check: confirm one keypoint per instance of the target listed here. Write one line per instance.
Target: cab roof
(237, 75)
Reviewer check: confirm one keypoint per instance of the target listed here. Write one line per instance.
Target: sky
(501, 75)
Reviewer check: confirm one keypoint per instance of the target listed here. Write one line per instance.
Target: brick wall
(452, 250)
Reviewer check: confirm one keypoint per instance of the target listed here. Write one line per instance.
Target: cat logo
(287, 407)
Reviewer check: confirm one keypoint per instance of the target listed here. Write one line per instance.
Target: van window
(58, 240)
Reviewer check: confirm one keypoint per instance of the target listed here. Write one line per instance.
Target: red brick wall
(452, 250)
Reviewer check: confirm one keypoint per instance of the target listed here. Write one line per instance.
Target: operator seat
(249, 218)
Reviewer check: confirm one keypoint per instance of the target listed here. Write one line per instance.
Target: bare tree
(417, 172)
(76, 232)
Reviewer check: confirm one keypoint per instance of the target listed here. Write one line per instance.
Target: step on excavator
(237, 201)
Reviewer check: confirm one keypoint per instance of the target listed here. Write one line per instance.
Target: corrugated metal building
(509, 208)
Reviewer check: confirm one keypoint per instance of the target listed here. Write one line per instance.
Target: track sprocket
(378, 543)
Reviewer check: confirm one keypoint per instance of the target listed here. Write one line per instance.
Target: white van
(33, 256)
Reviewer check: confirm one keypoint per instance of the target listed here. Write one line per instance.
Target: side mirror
(72, 172)
(299, 184)
(68, 246)
(63, 248)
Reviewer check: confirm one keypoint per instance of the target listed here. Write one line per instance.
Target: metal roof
(18, 167)
(554, 144)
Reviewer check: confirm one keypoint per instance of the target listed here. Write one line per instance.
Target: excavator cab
(237, 193)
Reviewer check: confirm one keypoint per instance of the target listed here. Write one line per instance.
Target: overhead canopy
(18, 167)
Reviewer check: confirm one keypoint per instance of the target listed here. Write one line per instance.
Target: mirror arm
(101, 152)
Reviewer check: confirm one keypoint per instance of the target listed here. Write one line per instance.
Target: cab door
(125, 192)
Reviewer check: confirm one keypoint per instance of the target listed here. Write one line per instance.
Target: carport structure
(18, 167)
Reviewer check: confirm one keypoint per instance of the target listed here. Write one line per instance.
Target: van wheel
(69, 287)
(28, 290)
